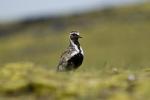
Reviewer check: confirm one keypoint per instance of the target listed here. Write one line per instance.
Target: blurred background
(116, 44)
(116, 32)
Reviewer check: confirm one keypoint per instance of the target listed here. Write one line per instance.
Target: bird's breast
(77, 60)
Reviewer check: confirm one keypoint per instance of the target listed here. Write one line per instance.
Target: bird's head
(74, 35)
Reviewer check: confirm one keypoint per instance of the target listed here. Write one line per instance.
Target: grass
(116, 66)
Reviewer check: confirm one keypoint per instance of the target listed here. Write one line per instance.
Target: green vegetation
(116, 66)
(26, 80)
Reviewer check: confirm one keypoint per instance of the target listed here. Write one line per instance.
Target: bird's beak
(80, 37)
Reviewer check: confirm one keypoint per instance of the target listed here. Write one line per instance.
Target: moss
(18, 79)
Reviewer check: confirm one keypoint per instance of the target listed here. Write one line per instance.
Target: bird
(73, 56)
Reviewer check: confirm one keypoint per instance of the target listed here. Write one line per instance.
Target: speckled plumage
(72, 58)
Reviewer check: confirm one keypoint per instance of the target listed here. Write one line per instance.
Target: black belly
(76, 61)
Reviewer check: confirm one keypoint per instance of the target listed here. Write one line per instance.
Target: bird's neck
(75, 43)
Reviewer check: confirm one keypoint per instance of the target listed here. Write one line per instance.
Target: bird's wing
(66, 55)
